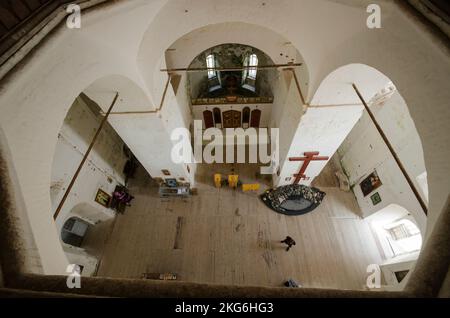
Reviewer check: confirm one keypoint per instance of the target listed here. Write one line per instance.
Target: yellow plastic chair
(233, 180)
(218, 180)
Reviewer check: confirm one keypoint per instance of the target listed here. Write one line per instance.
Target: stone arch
(44, 123)
(179, 50)
(101, 92)
(337, 96)
(87, 212)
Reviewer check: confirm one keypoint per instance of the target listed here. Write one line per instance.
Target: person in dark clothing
(289, 241)
(123, 197)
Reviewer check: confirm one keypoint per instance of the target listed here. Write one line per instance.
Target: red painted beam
(309, 156)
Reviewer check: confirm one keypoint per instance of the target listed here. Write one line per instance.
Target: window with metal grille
(403, 230)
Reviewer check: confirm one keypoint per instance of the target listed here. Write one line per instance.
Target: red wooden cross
(309, 156)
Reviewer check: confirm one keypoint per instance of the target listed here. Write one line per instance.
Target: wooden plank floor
(229, 237)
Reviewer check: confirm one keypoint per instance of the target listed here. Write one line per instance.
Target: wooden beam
(297, 83)
(163, 97)
(75, 176)
(132, 112)
(335, 105)
(141, 112)
(394, 154)
(228, 69)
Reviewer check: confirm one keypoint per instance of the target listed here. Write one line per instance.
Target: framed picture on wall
(376, 198)
(370, 183)
(102, 198)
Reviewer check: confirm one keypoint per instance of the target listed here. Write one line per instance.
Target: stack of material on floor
(293, 199)
(160, 276)
(292, 283)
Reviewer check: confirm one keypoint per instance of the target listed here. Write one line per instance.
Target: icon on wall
(376, 198)
(370, 183)
(102, 198)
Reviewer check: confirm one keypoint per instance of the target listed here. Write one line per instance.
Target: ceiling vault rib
(391, 149)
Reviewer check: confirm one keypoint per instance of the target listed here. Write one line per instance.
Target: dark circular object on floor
(293, 199)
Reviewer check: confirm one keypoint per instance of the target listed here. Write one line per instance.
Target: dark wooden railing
(14, 12)
(20, 20)
(440, 7)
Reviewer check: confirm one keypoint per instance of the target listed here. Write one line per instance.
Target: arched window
(208, 119)
(217, 117)
(245, 117)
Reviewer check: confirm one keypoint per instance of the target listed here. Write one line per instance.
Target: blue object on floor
(171, 182)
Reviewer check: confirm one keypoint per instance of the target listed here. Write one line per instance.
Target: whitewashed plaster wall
(364, 151)
(147, 135)
(332, 113)
(35, 98)
(320, 130)
(130, 38)
(79, 256)
(183, 103)
(282, 84)
(288, 111)
(401, 263)
(103, 168)
(176, 114)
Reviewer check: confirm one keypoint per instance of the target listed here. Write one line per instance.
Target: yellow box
(250, 187)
